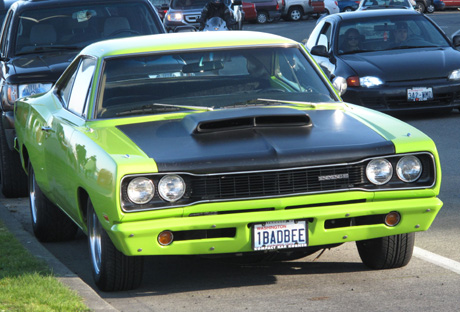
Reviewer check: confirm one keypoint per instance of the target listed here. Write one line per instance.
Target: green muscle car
(211, 144)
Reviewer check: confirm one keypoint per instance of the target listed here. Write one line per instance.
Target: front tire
(387, 252)
(419, 7)
(112, 270)
(49, 223)
(13, 177)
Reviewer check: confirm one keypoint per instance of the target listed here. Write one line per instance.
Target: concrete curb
(62, 273)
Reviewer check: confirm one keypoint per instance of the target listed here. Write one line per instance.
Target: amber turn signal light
(165, 238)
(393, 218)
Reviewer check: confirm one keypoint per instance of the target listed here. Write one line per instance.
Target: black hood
(405, 65)
(42, 67)
(256, 139)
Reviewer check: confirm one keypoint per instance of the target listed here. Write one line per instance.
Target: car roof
(183, 41)
(5, 4)
(374, 13)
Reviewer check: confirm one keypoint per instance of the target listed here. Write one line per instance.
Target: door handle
(47, 129)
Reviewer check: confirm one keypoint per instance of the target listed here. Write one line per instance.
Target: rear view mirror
(340, 84)
(202, 67)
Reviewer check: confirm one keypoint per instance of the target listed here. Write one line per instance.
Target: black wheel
(112, 270)
(419, 7)
(387, 252)
(262, 17)
(348, 9)
(12, 176)
(295, 14)
(49, 223)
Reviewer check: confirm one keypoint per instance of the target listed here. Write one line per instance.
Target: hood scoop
(245, 118)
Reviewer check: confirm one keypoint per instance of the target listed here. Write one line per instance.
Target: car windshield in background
(74, 27)
(188, 4)
(391, 32)
(208, 80)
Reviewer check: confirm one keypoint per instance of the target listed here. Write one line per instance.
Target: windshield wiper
(49, 48)
(355, 51)
(154, 106)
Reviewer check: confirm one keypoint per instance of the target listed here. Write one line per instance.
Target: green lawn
(27, 284)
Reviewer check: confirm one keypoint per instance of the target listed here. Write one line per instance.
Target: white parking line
(438, 260)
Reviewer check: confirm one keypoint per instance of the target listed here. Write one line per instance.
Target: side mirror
(319, 50)
(456, 41)
(340, 84)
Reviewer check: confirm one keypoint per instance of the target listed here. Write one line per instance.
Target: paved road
(335, 281)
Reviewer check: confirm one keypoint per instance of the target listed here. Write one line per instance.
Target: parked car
(267, 10)
(450, 4)
(250, 12)
(384, 73)
(39, 40)
(386, 4)
(162, 6)
(331, 7)
(188, 13)
(348, 5)
(318, 7)
(294, 10)
(240, 153)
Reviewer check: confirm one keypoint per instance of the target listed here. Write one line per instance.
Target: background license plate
(279, 235)
(419, 94)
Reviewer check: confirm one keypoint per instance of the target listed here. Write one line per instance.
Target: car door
(60, 154)
(322, 35)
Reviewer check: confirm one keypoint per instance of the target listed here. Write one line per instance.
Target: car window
(80, 88)
(4, 33)
(211, 79)
(378, 34)
(324, 36)
(78, 25)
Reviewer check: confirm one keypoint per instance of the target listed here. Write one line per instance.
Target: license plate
(280, 235)
(419, 94)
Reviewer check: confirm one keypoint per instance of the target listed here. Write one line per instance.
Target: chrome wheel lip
(32, 198)
(94, 236)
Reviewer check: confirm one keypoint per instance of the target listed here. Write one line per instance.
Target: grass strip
(28, 284)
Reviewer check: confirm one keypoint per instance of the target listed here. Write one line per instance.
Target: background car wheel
(49, 223)
(348, 9)
(295, 14)
(430, 8)
(262, 17)
(419, 7)
(112, 270)
(387, 252)
(12, 176)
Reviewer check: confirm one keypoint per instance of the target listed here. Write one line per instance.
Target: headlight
(174, 17)
(409, 168)
(140, 190)
(33, 88)
(455, 75)
(370, 81)
(171, 188)
(379, 171)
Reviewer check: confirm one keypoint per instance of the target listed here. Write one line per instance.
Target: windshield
(208, 80)
(379, 4)
(188, 4)
(74, 27)
(387, 33)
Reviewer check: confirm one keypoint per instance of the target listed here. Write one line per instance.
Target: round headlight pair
(170, 188)
(380, 171)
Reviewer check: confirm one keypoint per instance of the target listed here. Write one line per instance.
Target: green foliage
(27, 284)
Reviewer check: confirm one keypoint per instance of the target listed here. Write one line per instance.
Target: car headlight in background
(140, 190)
(455, 75)
(174, 17)
(379, 171)
(370, 81)
(15, 92)
(171, 187)
(409, 168)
